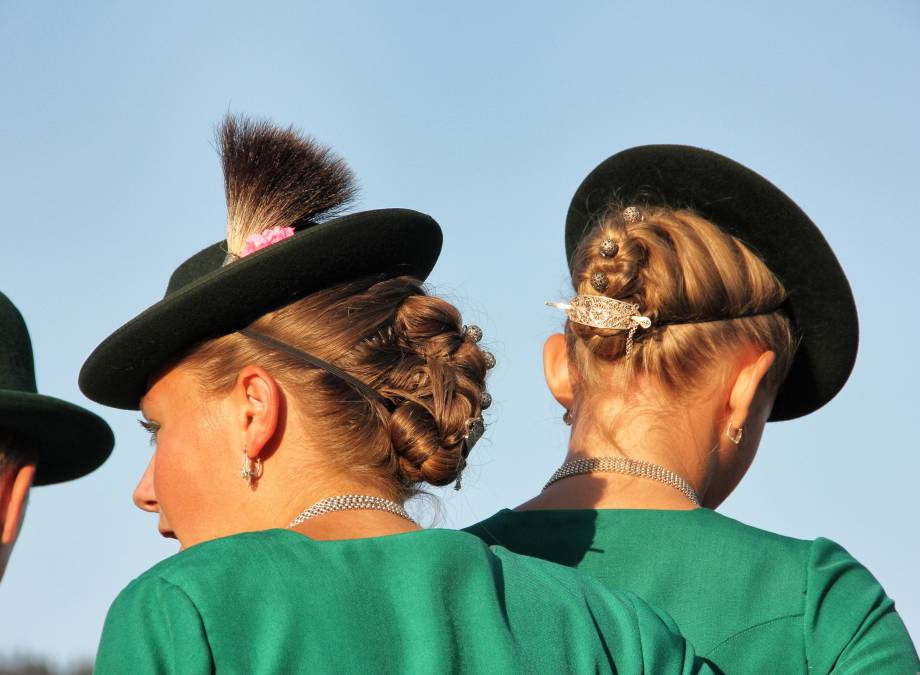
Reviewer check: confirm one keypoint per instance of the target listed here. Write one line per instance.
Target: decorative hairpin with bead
(632, 214)
(475, 427)
(599, 282)
(474, 334)
(609, 248)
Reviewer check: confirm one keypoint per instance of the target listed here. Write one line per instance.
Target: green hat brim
(386, 242)
(752, 209)
(70, 441)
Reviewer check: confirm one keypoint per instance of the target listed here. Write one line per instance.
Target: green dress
(432, 601)
(750, 601)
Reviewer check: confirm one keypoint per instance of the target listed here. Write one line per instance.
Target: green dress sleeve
(851, 626)
(153, 628)
(650, 642)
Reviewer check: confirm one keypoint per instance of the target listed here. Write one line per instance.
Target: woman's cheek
(174, 479)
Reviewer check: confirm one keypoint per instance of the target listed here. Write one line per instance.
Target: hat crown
(202, 263)
(17, 369)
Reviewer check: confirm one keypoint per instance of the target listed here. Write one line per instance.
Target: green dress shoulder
(750, 601)
(433, 601)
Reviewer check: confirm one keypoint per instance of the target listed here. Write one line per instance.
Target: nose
(145, 498)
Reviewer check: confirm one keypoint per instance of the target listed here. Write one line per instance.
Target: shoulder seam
(172, 584)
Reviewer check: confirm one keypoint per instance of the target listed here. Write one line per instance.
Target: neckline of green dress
(401, 537)
(576, 513)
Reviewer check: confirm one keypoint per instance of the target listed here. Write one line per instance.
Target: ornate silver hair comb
(599, 311)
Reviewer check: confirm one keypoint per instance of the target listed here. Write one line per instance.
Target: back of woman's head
(688, 277)
(14, 451)
(408, 346)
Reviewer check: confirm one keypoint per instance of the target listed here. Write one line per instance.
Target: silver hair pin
(599, 282)
(609, 248)
(632, 214)
(599, 311)
(473, 332)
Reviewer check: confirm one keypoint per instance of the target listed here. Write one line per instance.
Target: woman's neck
(286, 490)
(671, 440)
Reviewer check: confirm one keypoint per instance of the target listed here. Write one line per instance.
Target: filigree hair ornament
(598, 311)
(474, 429)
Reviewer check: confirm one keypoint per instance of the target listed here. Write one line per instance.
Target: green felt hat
(206, 299)
(750, 208)
(211, 294)
(70, 442)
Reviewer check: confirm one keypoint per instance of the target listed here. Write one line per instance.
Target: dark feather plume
(277, 177)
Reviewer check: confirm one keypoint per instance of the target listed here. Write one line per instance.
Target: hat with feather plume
(287, 237)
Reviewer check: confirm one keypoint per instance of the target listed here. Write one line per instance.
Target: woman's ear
(556, 369)
(14, 490)
(260, 402)
(745, 388)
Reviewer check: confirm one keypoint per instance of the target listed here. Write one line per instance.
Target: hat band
(729, 317)
(599, 311)
(330, 368)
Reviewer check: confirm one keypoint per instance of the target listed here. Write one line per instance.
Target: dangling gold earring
(567, 418)
(734, 435)
(252, 469)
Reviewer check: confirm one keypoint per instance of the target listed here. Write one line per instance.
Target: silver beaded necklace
(350, 503)
(631, 467)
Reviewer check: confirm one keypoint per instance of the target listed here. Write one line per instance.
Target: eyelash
(151, 428)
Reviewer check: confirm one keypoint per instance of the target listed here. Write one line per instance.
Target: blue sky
(487, 116)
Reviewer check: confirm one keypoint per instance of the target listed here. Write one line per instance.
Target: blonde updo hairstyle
(390, 334)
(682, 271)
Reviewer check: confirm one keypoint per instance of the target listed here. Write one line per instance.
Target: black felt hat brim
(388, 242)
(756, 212)
(69, 440)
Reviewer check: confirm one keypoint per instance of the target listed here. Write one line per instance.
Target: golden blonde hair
(682, 271)
(390, 334)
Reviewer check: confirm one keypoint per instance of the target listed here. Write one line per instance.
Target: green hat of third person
(68, 440)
